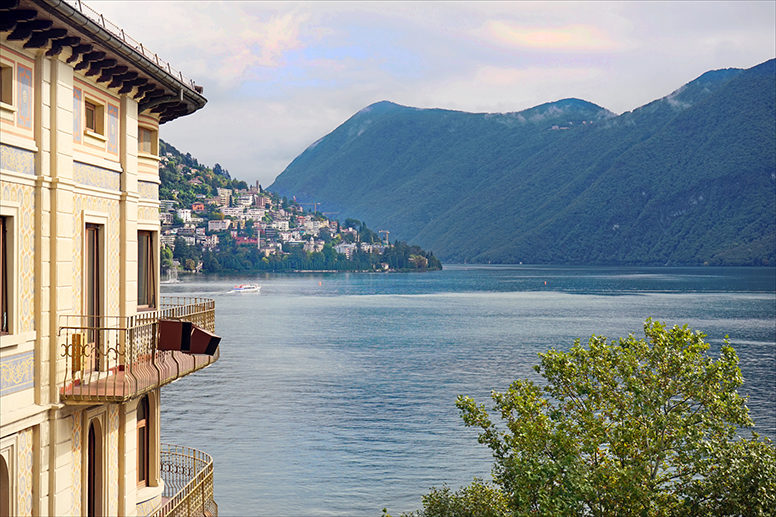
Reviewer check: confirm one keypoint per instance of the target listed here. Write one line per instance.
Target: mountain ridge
(520, 186)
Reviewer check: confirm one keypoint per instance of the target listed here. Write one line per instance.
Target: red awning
(184, 336)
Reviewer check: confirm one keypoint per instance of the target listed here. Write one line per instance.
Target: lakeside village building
(86, 341)
(270, 225)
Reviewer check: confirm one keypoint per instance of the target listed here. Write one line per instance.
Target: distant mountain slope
(686, 179)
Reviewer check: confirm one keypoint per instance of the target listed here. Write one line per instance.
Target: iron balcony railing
(115, 358)
(188, 483)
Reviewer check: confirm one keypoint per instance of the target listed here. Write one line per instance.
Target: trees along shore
(234, 258)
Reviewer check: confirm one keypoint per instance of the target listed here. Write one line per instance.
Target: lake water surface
(335, 393)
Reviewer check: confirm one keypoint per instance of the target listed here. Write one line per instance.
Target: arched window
(94, 470)
(5, 489)
(143, 443)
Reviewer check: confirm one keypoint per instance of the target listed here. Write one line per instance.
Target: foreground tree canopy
(629, 427)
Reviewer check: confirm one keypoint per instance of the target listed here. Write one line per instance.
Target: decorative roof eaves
(174, 88)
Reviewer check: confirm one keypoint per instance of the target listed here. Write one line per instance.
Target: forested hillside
(687, 179)
(230, 228)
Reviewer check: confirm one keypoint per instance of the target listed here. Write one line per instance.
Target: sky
(279, 76)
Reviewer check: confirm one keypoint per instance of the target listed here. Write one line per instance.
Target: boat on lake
(246, 288)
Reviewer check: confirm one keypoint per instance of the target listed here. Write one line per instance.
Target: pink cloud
(567, 37)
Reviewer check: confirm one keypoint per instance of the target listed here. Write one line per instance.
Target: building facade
(82, 358)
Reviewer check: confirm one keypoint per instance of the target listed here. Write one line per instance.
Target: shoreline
(305, 271)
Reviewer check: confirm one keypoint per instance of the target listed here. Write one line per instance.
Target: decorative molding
(149, 505)
(18, 201)
(96, 176)
(17, 160)
(148, 213)
(24, 93)
(23, 341)
(25, 473)
(112, 480)
(113, 129)
(77, 96)
(81, 155)
(17, 373)
(148, 190)
(76, 463)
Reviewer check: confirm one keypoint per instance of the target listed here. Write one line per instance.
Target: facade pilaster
(129, 199)
(57, 146)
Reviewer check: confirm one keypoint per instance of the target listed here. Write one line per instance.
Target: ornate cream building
(81, 352)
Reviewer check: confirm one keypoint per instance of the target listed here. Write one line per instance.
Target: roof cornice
(156, 87)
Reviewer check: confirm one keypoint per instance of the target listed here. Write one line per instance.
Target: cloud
(264, 43)
(223, 42)
(507, 89)
(515, 77)
(256, 138)
(280, 75)
(576, 38)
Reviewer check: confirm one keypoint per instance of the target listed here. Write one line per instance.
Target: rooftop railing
(138, 47)
(188, 483)
(115, 358)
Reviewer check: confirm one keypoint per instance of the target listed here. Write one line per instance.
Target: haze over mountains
(686, 179)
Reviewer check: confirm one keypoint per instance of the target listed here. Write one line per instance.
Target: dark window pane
(4, 295)
(89, 116)
(146, 267)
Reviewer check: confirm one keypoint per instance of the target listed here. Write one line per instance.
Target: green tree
(352, 223)
(478, 499)
(645, 427)
(166, 257)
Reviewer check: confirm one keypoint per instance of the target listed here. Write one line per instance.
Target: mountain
(686, 179)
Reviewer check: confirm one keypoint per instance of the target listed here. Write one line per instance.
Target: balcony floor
(119, 384)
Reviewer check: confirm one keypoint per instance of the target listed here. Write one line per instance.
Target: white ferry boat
(246, 288)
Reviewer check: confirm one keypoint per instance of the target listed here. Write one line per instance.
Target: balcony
(188, 483)
(115, 358)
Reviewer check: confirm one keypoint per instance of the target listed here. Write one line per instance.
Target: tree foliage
(476, 500)
(629, 427)
(232, 258)
(178, 170)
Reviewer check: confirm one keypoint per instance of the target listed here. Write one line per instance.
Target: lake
(335, 393)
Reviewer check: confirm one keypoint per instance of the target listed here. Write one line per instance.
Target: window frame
(96, 221)
(93, 279)
(147, 256)
(153, 141)
(98, 417)
(90, 114)
(143, 437)
(93, 265)
(8, 449)
(5, 313)
(6, 85)
(8, 280)
(97, 108)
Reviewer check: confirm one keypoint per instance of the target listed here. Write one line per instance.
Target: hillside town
(209, 220)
